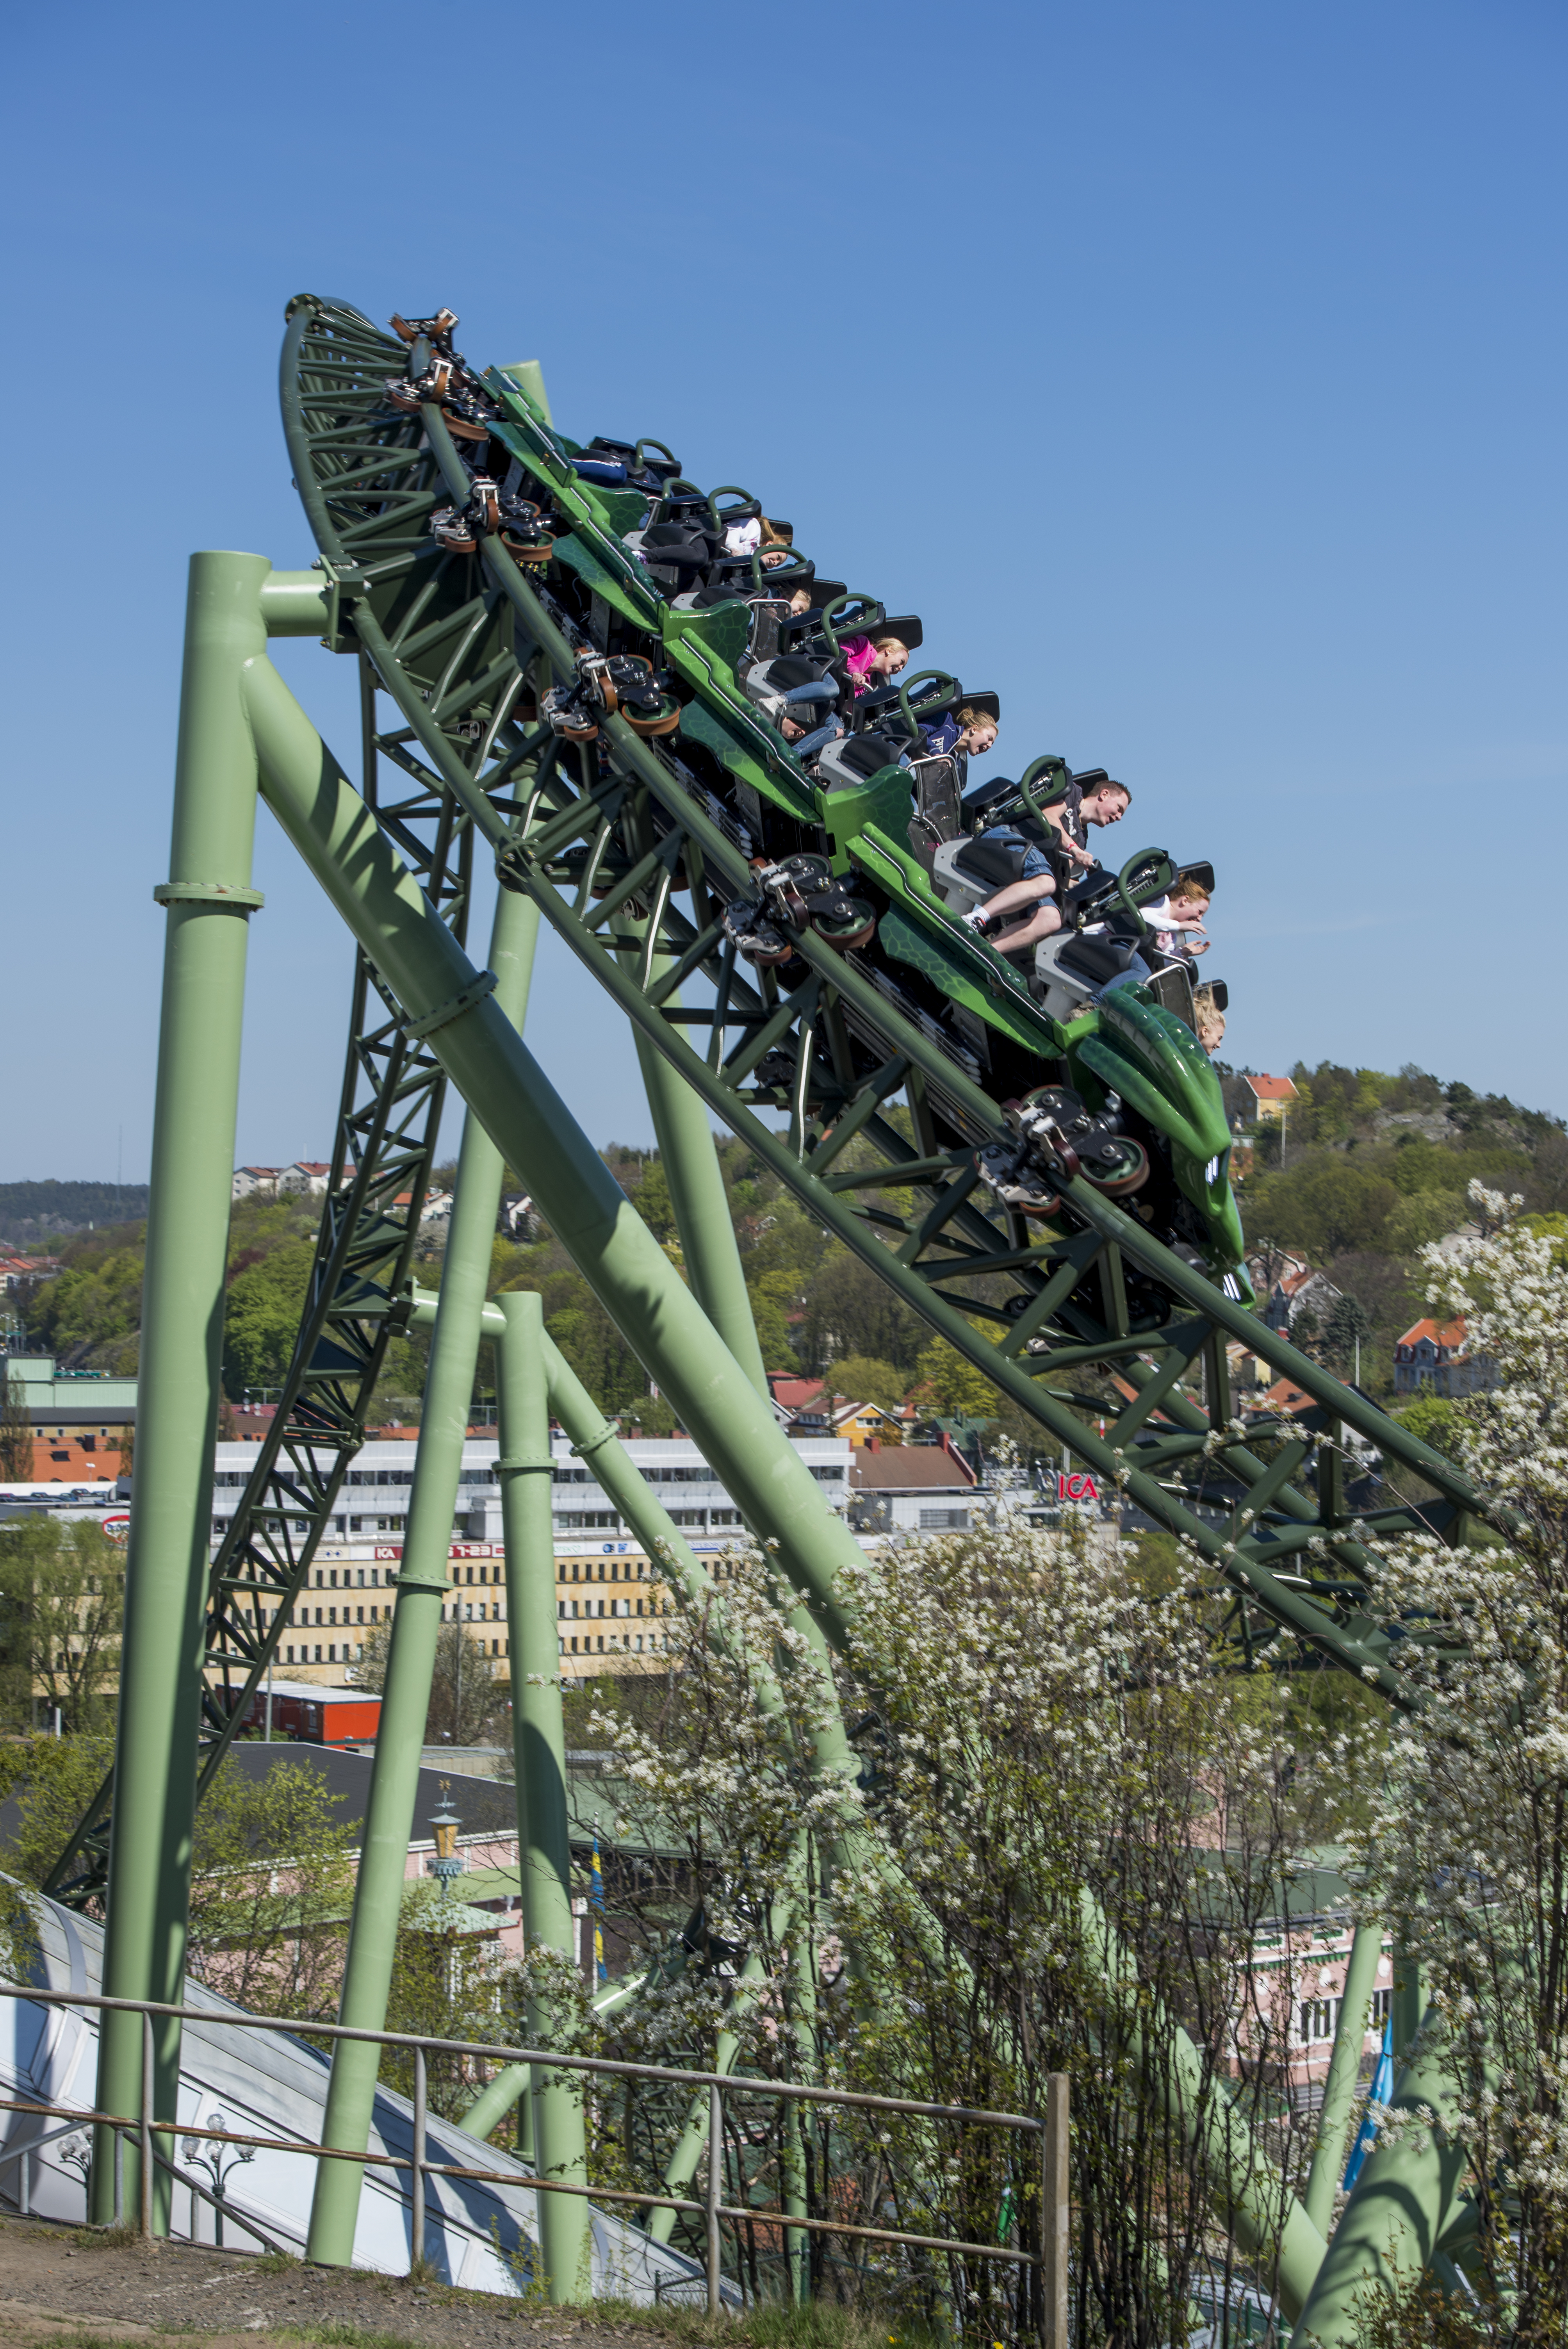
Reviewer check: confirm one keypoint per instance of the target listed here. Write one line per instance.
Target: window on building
(1316, 2018)
(1382, 2008)
(944, 1521)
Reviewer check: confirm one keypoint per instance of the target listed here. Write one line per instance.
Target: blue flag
(1381, 2089)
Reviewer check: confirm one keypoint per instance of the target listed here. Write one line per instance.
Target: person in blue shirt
(969, 732)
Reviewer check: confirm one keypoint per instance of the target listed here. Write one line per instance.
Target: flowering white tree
(1065, 1834)
(1466, 1855)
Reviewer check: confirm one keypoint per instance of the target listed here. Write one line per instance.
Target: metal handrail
(712, 2210)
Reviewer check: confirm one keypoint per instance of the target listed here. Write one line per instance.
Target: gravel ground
(59, 2284)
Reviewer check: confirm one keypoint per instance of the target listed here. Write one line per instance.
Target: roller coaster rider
(1048, 866)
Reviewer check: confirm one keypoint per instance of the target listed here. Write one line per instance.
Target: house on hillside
(1298, 1291)
(306, 1178)
(1434, 1357)
(255, 1182)
(1271, 1097)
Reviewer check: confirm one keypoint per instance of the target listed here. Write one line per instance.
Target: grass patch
(333, 2335)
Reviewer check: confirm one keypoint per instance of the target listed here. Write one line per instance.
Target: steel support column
(539, 1760)
(416, 1625)
(208, 897)
(1401, 2207)
(1339, 2089)
(702, 1211)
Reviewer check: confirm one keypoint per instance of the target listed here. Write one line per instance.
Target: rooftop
(910, 1468)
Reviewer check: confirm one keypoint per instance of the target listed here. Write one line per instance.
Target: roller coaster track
(1111, 1334)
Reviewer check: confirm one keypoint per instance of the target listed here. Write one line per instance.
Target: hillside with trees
(1368, 1168)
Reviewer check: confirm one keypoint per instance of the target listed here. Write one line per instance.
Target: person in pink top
(872, 660)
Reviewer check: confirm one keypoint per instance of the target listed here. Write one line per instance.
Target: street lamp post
(219, 2161)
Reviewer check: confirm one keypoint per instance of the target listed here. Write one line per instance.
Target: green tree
(470, 1696)
(272, 1886)
(1430, 1417)
(15, 1427)
(773, 1296)
(1348, 1326)
(62, 1601)
(1323, 1205)
(862, 1379)
(949, 1380)
(91, 1310)
(1423, 1217)
(850, 1309)
(262, 1318)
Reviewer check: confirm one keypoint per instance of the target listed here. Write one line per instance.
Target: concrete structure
(606, 1602)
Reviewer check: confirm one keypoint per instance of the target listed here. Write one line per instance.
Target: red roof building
(1272, 1096)
(1435, 1357)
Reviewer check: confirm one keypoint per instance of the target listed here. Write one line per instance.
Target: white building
(606, 1603)
(251, 1181)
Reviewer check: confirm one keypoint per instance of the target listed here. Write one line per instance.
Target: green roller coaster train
(573, 662)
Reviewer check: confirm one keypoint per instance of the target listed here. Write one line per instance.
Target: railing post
(1055, 2183)
(146, 2179)
(120, 2178)
(416, 2247)
(715, 2181)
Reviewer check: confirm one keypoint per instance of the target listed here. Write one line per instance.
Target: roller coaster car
(866, 855)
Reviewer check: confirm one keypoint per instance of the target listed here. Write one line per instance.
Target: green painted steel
(1344, 2066)
(194, 1113)
(362, 874)
(539, 1759)
(702, 1212)
(344, 846)
(415, 1629)
(1403, 2202)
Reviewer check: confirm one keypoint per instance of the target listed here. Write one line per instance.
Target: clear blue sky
(1195, 370)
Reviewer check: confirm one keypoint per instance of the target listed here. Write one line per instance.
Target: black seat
(855, 758)
(936, 818)
(994, 862)
(1098, 960)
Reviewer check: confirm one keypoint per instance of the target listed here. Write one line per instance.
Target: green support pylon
(539, 1760)
(701, 1209)
(1401, 2206)
(416, 1626)
(208, 897)
(1343, 2066)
